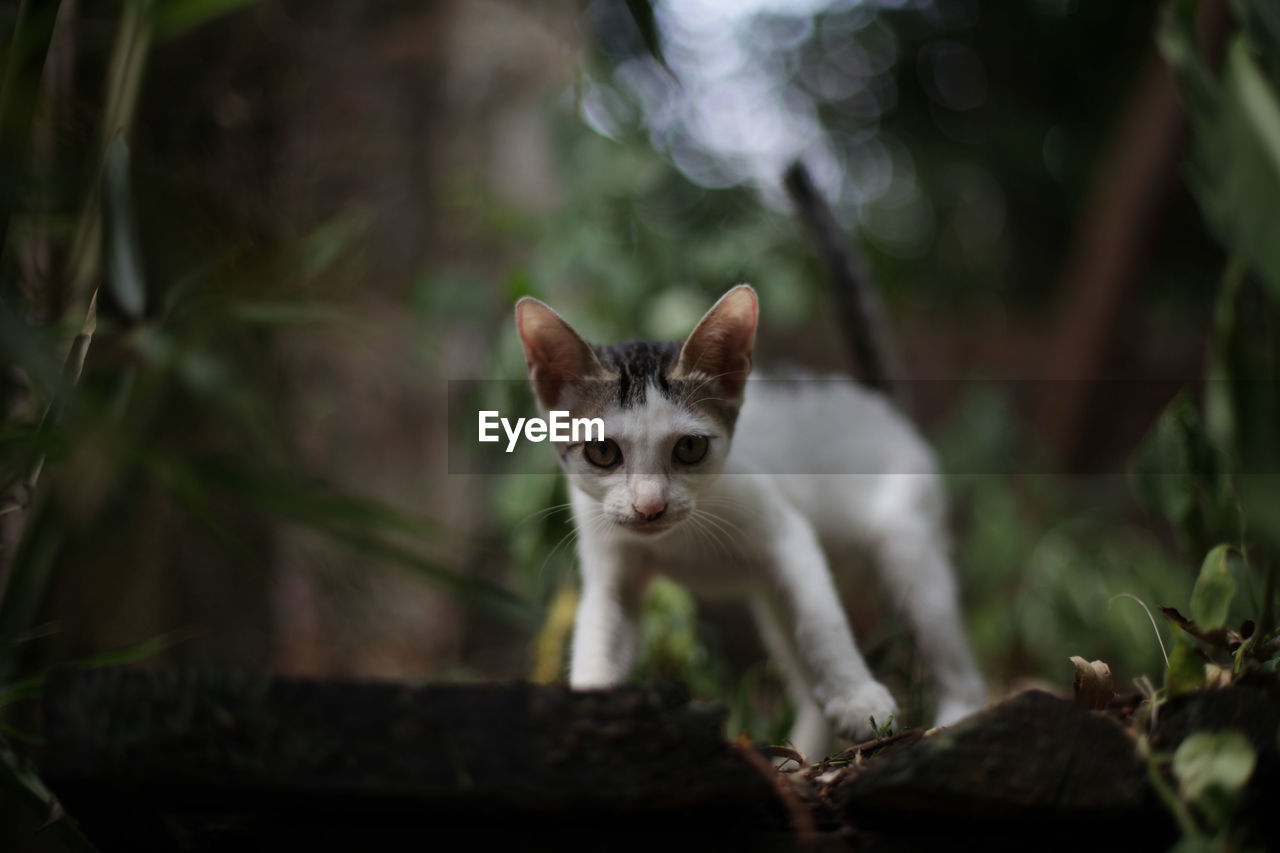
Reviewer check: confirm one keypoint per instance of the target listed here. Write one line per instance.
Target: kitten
(702, 476)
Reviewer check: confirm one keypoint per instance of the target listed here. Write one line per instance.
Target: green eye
(690, 449)
(602, 454)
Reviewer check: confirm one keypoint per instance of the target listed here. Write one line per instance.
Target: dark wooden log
(213, 761)
(186, 760)
(1033, 768)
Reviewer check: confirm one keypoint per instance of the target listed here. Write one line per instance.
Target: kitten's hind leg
(919, 578)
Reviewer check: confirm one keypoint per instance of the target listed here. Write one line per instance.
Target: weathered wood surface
(1039, 772)
(191, 761)
(1034, 770)
(165, 760)
(1032, 758)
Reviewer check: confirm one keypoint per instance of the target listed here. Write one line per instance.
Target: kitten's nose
(650, 510)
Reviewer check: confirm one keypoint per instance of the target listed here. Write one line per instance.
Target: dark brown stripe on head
(632, 368)
(639, 364)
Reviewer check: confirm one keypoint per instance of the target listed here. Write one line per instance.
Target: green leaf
(1180, 474)
(1262, 20)
(1235, 160)
(1161, 470)
(122, 260)
(21, 345)
(28, 34)
(1242, 389)
(284, 313)
(31, 574)
(133, 652)
(1195, 843)
(1213, 759)
(1212, 769)
(642, 13)
(1224, 363)
(171, 18)
(1214, 589)
(1178, 42)
(1186, 668)
(324, 246)
(363, 525)
(32, 686)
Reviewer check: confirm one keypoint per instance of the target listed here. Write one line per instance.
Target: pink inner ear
(721, 344)
(553, 351)
(552, 368)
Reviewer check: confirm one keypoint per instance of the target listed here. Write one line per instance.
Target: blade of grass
(363, 525)
(172, 18)
(124, 76)
(121, 256)
(28, 47)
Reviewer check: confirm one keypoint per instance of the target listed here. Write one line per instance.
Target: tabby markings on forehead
(637, 365)
(629, 370)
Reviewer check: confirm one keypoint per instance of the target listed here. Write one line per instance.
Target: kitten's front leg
(809, 614)
(607, 627)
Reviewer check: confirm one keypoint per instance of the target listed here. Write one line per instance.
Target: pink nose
(650, 510)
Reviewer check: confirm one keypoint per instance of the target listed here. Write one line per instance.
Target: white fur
(814, 470)
(758, 521)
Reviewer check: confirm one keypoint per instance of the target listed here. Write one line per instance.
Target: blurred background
(274, 231)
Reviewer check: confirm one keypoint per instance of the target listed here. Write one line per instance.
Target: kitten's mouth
(650, 528)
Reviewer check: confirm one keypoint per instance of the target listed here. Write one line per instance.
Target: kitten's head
(668, 408)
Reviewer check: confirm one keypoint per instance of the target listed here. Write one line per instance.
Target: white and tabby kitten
(705, 477)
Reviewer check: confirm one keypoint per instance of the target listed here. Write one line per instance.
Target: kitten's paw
(851, 716)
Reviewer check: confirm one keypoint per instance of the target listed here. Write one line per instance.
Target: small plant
(1211, 770)
(884, 731)
(1212, 476)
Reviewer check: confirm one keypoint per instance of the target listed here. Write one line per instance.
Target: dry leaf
(1217, 676)
(785, 753)
(1216, 637)
(1093, 683)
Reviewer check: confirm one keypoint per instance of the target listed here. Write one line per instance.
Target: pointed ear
(553, 351)
(720, 346)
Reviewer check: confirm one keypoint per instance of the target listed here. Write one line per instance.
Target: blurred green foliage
(634, 248)
(1217, 482)
(143, 431)
(178, 404)
(1049, 566)
(1216, 479)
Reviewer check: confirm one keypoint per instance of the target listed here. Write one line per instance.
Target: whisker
(734, 504)
(705, 535)
(716, 524)
(542, 513)
(720, 519)
(571, 535)
(724, 542)
(593, 524)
